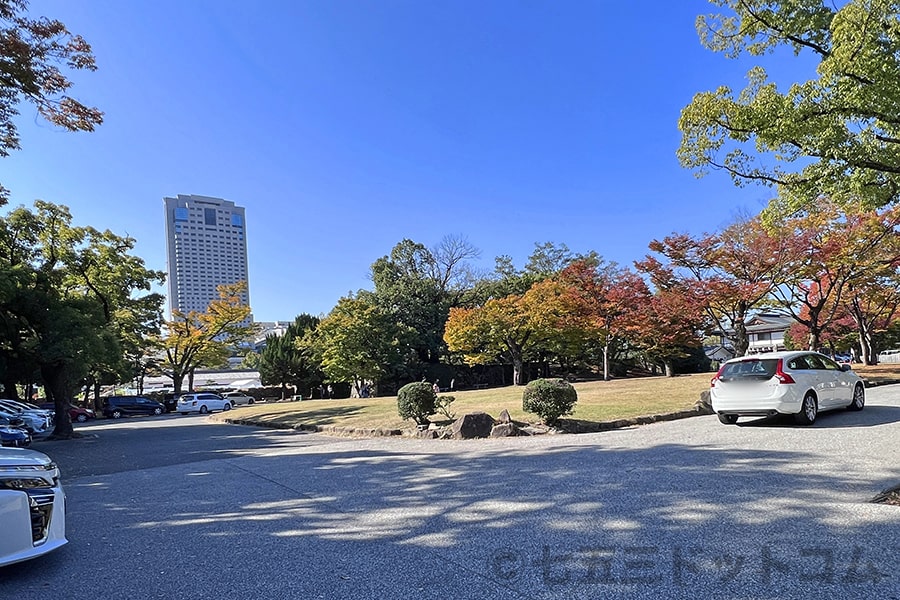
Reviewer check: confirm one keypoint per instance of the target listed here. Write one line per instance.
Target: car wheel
(728, 419)
(117, 414)
(81, 418)
(203, 410)
(227, 406)
(859, 398)
(250, 401)
(808, 411)
(157, 411)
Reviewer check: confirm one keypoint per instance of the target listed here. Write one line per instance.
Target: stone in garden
(472, 425)
(504, 417)
(504, 430)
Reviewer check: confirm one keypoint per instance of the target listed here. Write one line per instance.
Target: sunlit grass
(597, 401)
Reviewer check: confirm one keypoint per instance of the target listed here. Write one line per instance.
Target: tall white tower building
(207, 247)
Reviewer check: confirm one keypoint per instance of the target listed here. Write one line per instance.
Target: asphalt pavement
(180, 508)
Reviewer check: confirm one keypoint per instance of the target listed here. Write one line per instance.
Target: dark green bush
(549, 399)
(416, 401)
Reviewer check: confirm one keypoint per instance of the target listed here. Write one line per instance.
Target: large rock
(704, 405)
(472, 425)
(504, 430)
(504, 417)
(428, 434)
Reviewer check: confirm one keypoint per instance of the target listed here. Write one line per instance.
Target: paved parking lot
(177, 507)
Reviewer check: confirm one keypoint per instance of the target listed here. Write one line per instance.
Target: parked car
(36, 423)
(32, 505)
(117, 407)
(238, 398)
(78, 414)
(202, 402)
(15, 437)
(26, 407)
(801, 384)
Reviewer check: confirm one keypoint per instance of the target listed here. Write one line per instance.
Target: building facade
(207, 247)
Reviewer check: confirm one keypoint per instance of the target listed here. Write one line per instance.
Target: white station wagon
(201, 402)
(801, 384)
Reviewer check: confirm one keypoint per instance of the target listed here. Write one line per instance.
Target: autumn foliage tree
(668, 321)
(34, 55)
(602, 303)
(733, 271)
(198, 339)
(503, 327)
(828, 249)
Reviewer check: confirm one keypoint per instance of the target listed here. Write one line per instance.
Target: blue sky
(344, 127)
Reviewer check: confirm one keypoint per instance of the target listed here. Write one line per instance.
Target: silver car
(238, 398)
(801, 384)
(37, 421)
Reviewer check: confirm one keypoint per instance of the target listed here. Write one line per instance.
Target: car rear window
(749, 370)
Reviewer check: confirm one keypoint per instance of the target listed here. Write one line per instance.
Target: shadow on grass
(319, 416)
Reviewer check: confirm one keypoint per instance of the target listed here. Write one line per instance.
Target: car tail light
(781, 375)
(712, 382)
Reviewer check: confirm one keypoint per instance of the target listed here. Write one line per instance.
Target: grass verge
(597, 401)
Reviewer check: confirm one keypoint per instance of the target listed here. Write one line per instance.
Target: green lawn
(597, 401)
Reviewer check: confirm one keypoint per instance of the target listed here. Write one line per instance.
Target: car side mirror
(845, 367)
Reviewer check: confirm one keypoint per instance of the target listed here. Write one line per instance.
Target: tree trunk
(518, 366)
(191, 380)
(741, 339)
(177, 382)
(865, 346)
(96, 399)
(670, 367)
(606, 362)
(56, 384)
(814, 336)
(10, 391)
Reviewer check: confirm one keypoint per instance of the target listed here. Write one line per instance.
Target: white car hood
(20, 457)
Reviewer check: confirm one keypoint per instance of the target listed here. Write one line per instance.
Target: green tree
(417, 287)
(286, 360)
(33, 56)
(198, 339)
(357, 342)
(836, 134)
(71, 300)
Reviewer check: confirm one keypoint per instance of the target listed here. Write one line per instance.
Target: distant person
(436, 387)
(452, 384)
(330, 392)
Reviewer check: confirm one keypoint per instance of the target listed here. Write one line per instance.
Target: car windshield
(753, 369)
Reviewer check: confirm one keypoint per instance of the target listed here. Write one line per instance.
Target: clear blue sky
(345, 126)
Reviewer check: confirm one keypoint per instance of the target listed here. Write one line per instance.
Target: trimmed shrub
(442, 405)
(416, 401)
(549, 399)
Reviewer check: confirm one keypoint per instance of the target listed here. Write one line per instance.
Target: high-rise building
(207, 247)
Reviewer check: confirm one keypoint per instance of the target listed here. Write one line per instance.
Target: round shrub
(549, 399)
(416, 401)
